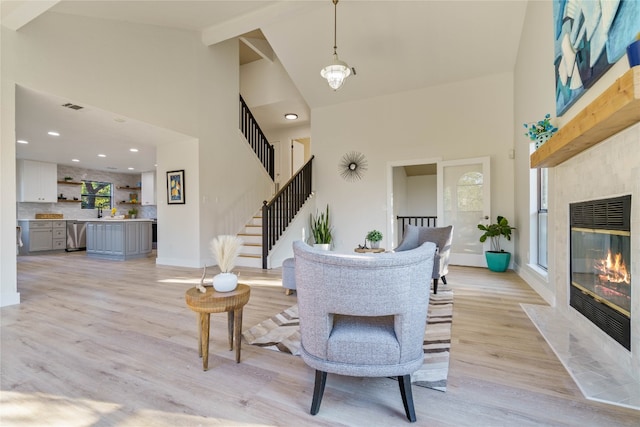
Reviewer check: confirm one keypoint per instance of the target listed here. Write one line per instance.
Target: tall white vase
(225, 282)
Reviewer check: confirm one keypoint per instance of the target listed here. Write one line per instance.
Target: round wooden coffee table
(217, 302)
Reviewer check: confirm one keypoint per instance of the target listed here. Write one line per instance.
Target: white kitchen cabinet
(148, 180)
(37, 181)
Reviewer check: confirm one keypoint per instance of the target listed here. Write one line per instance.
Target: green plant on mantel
(534, 130)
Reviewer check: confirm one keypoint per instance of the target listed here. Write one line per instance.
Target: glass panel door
(464, 201)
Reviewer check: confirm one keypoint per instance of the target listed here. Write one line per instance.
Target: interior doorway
(455, 192)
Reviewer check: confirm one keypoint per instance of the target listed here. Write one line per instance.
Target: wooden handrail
(278, 213)
(256, 138)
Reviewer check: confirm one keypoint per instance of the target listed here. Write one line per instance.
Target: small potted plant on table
(374, 237)
(497, 258)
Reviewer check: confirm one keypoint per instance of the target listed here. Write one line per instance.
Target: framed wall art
(175, 187)
(590, 36)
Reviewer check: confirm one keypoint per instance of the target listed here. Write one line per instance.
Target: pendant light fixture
(338, 71)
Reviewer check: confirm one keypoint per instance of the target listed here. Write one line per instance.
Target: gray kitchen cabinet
(40, 236)
(146, 234)
(36, 181)
(118, 239)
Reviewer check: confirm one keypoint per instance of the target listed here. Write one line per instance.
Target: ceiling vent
(72, 106)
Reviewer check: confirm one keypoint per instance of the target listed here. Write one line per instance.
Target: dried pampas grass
(226, 249)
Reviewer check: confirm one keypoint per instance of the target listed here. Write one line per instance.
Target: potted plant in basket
(374, 237)
(321, 230)
(497, 258)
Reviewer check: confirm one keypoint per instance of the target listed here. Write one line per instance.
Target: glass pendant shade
(336, 73)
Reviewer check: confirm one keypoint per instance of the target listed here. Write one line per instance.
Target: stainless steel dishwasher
(76, 236)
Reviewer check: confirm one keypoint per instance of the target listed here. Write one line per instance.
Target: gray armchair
(414, 236)
(363, 315)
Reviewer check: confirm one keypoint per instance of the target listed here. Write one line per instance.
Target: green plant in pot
(374, 237)
(497, 258)
(133, 212)
(321, 229)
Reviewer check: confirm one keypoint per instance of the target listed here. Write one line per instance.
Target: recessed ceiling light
(53, 133)
(119, 119)
(291, 116)
(102, 155)
(75, 160)
(130, 169)
(133, 150)
(22, 141)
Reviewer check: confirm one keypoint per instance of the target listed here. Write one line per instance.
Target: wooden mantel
(617, 108)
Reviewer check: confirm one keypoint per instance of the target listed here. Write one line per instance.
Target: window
(543, 205)
(95, 194)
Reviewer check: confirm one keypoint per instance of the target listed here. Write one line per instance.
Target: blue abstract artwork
(590, 36)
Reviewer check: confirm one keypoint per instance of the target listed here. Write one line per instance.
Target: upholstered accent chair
(363, 315)
(414, 236)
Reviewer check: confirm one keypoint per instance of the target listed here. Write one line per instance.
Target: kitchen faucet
(99, 212)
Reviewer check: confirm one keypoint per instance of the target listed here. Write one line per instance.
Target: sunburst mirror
(352, 166)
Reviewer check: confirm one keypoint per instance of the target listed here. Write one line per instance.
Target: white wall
(165, 77)
(467, 119)
(534, 92)
(422, 197)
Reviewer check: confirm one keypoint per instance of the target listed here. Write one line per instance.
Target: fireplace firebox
(601, 264)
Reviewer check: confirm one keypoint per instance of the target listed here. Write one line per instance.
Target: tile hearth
(597, 376)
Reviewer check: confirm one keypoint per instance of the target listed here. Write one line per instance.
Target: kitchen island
(119, 239)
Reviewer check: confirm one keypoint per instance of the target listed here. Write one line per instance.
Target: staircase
(251, 254)
(266, 227)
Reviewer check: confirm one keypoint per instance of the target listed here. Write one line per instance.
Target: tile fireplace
(600, 264)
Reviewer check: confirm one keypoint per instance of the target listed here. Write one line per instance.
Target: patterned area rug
(281, 333)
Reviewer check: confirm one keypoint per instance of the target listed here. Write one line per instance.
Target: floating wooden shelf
(128, 203)
(129, 188)
(69, 182)
(68, 201)
(617, 108)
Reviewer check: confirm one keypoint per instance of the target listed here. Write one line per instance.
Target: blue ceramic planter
(497, 261)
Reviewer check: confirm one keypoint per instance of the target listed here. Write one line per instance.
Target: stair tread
(250, 256)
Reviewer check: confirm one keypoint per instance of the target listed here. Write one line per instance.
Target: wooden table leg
(230, 328)
(204, 339)
(199, 320)
(237, 330)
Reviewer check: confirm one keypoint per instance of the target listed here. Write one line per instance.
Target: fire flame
(612, 269)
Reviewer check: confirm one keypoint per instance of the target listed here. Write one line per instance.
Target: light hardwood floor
(110, 343)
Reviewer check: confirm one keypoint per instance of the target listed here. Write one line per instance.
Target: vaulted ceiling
(394, 46)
